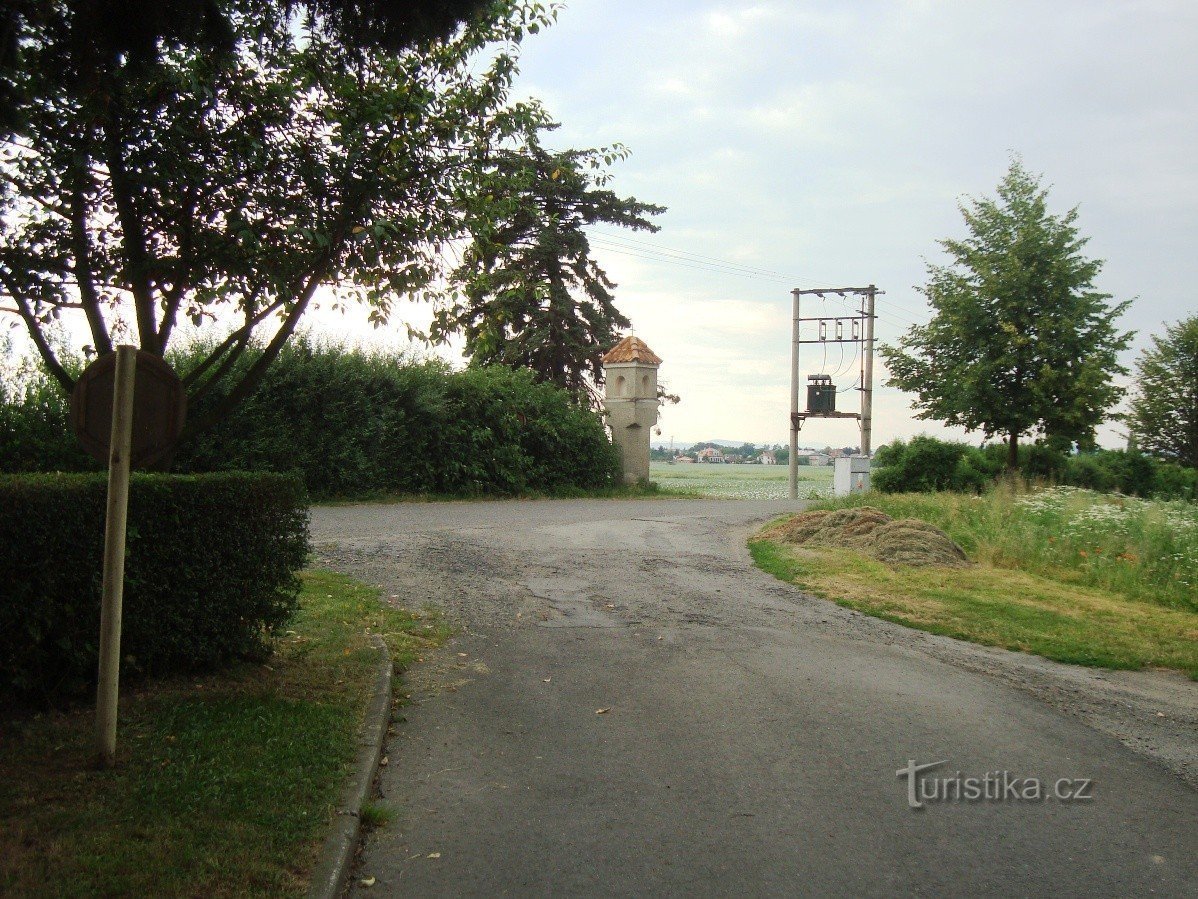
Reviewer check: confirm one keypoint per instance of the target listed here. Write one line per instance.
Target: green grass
(374, 815)
(1048, 605)
(225, 783)
(1145, 550)
(742, 480)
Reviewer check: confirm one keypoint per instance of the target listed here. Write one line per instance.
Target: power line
(687, 264)
(673, 259)
(697, 257)
(623, 245)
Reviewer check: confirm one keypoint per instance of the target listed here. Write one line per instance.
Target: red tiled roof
(632, 349)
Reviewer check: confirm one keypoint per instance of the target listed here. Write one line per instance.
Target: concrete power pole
(794, 397)
(867, 386)
(826, 408)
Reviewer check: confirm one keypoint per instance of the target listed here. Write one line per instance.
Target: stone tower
(630, 369)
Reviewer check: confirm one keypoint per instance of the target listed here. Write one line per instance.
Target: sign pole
(107, 687)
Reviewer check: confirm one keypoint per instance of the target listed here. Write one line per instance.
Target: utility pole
(867, 384)
(794, 396)
(821, 387)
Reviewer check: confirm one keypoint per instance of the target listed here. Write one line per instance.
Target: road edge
(336, 856)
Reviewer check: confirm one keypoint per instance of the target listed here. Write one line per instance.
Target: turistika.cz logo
(993, 786)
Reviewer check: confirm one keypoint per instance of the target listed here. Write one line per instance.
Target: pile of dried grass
(906, 541)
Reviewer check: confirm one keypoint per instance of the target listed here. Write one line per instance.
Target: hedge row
(926, 464)
(354, 423)
(211, 565)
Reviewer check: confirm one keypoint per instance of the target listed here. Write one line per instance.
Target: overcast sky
(830, 143)
(806, 144)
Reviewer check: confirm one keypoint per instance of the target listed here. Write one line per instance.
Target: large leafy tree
(532, 295)
(228, 191)
(98, 38)
(1020, 341)
(1164, 401)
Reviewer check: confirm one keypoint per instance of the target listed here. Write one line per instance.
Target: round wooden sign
(159, 408)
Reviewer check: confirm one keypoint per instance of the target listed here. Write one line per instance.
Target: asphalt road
(631, 708)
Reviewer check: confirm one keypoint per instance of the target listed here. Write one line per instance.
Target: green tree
(221, 190)
(1020, 341)
(532, 296)
(1163, 419)
(99, 38)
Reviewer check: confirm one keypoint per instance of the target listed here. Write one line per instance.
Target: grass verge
(225, 783)
(1013, 609)
(1146, 550)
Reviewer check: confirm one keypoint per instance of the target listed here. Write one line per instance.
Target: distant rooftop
(632, 349)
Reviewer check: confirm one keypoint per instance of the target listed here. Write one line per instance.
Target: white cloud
(737, 21)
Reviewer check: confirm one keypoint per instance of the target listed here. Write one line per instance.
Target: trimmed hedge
(210, 571)
(356, 423)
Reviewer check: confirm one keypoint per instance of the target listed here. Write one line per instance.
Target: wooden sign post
(128, 409)
(108, 687)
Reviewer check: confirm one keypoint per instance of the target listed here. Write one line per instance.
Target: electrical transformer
(821, 394)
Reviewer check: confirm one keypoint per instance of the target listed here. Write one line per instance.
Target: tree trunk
(1012, 451)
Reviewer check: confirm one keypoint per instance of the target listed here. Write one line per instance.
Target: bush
(356, 423)
(926, 465)
(210, 571)
(1176, 482)
(35, 429)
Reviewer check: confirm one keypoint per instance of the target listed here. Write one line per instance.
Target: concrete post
(794, 395)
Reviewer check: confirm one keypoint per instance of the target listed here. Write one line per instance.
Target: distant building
(711, 455)
(819, 459)
(767, 458)
(684, 459)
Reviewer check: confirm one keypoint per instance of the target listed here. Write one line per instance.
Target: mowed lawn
(741, 481)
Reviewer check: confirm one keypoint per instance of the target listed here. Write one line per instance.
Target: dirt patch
(905, 541)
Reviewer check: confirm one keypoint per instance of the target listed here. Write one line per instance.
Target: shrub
(922, 466)
(210, 571)
(927, 465)
(35, 430)
(355, 423)
(1176, 482)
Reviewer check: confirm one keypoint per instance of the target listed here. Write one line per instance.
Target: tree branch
(43, 348)
(351, 212)
(137, 254)
(242, 333)
(174, 298)
(84, 277)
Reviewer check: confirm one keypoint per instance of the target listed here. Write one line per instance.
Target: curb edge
(336, 856)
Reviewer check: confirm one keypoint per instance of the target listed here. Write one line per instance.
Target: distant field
(741, 481)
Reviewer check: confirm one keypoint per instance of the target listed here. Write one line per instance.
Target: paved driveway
(630, 708)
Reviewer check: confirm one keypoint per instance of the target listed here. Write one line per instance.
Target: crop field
(740, 481)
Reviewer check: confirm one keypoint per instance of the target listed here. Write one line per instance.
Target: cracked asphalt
(631, 708)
